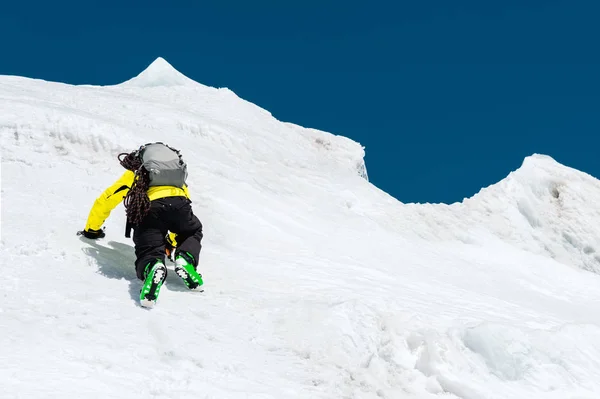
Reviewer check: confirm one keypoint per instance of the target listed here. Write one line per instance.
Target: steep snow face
(318, 284)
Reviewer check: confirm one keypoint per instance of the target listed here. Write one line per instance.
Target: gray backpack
(164, 165)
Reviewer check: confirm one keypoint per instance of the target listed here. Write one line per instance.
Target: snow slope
(318, 284)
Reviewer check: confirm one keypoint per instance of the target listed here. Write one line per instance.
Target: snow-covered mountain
(318, 284)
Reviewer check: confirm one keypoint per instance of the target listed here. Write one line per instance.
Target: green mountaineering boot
(184, 267)
(155, 277)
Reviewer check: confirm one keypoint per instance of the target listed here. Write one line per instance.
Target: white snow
(318, 284)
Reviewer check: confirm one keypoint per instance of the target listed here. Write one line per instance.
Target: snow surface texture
(318, 284)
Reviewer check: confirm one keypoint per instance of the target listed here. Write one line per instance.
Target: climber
(158, 208)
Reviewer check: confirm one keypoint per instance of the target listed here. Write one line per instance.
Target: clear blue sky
(447, 97)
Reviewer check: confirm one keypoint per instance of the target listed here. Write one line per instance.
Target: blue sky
(447, 98)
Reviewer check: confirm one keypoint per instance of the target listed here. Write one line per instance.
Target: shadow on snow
(117, 261)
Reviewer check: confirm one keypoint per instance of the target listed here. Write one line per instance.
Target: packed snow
(318, 284)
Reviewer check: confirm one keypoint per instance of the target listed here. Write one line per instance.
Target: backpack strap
(128, 227)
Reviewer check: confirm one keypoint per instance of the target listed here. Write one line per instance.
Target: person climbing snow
(158, 208)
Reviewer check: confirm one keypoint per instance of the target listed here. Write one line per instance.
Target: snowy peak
(546, 208)
(159, 73)
(540, 162)
(540, 174)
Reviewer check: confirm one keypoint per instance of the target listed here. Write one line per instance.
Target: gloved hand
(92, 234)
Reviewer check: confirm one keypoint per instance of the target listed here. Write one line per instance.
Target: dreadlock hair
(131, 161)
(137, 203)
